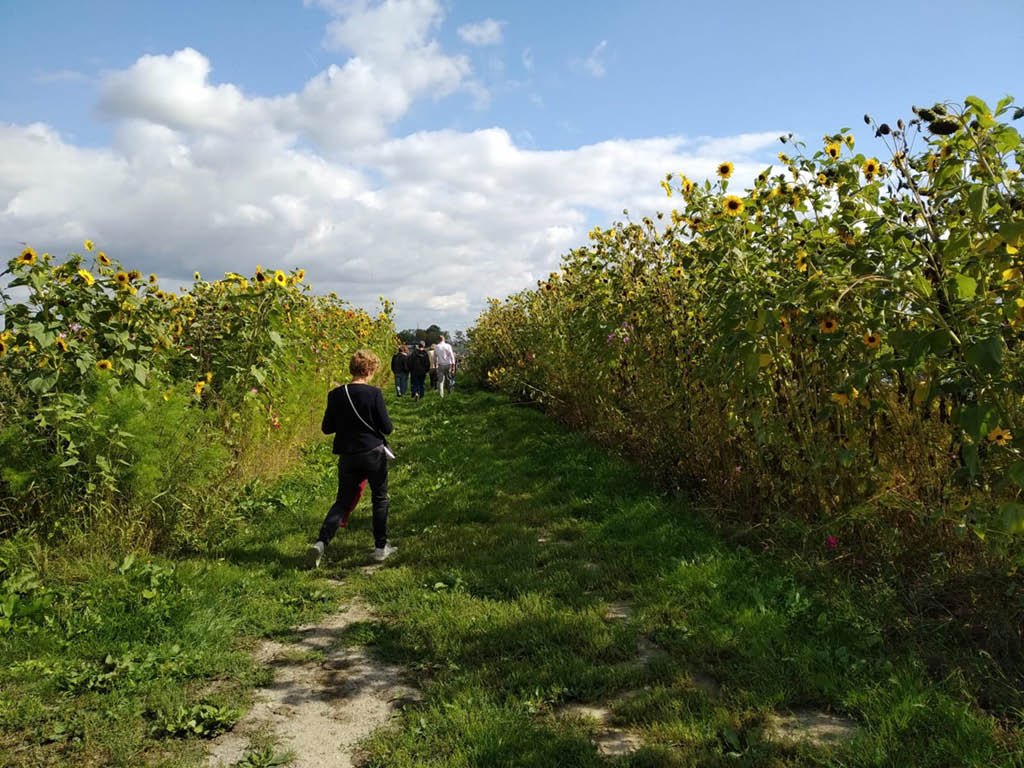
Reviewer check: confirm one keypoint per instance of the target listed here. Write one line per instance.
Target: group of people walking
(438, 362)
(358, 418)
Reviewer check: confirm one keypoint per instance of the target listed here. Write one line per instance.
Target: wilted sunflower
(104, 365)
(872, 340)
(27, 257)
(832, 150)
(62, 345)
(86, 275)
(103, 259)
(828, 325)
(121, 278)
(1000, 436)
(733, 205)
(725, 170)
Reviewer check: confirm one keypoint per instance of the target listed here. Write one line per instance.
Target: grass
(514, 536)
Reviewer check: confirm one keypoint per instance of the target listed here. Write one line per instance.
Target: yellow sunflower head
(152, 279)
(27, 257)
(1000, 436)
(89, 245)
(677, 272)
(823, 179)
(86, 275)
(872, 340)
(62, 345)
(848, 138)
(199, 387)
(103, 259)
(134, 275)
(104, 365)
(828, 325)
(725, 170)
(732, 205)
(801, 260)
(870, 168)
(3, 347)
(839, 398)
(196, 276)
(260, 278)
(121, 278)
(832, 150)
(280, 278)
(299, 276)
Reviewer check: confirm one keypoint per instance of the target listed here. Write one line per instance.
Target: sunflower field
(840, 344)
(132, 410)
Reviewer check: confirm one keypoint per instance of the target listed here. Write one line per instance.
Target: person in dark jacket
(419, 364)
(400, 367)
(358, 419)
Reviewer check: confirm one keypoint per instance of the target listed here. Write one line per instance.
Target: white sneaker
(314, 554)
(383, 553)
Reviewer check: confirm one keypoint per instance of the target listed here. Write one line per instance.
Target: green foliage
(205, 720)
(124, 408)
(845, 332)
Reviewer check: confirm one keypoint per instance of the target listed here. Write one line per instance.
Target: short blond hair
(363, 363)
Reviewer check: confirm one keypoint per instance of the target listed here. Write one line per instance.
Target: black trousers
(354, 470)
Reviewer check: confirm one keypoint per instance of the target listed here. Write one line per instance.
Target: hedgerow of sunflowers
(98, 356)
(843, 338)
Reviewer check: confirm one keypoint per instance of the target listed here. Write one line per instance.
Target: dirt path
(319, 707)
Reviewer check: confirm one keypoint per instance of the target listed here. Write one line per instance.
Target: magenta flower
(832, 542)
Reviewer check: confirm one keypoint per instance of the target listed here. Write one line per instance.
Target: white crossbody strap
(357, 412)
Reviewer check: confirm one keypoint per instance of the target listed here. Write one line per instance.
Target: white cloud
(486, 32)
(200, 176)
(593, 64)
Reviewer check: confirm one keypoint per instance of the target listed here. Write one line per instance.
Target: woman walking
(400, 367)
(358, 419)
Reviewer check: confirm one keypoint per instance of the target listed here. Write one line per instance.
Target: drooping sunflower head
(872, 340)
(104, 365)
(103, 259)
(27, 257)
(89, 245)
(1000, 436)
(725, 170)
(121, 278)
(832, 150)
(62, 345)
(732, 205)
(783, 158)
(828, 325)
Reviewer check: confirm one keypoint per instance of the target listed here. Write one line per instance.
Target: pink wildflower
(832, 542)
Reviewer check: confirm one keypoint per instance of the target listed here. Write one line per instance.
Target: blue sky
(554, 80)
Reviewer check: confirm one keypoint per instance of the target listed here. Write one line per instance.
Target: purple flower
(611, 337)
(832, 542)
(254, 390)
(625, 339)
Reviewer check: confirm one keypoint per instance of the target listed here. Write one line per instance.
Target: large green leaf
(965, 286)
(986, 354)
(1012, 515)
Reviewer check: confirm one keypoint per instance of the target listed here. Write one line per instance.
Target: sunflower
(872, 340)
(103, 259)
(160, 295)
(832, 150)
(870, 168)
(86, 275)
(62, 345)
(280, 278)
(28, 257)
(299, 276)
(209, 377)
(848, 138)
(89, 245)
(135, 275)
(725, 170)
(828, 325)
(1000, 436)
(677, 272)
(839, 398)
(3, 347)
(801, 260)
(823, 179)
(732, 205)
(199, 387)
(104, 365)
(783, 158)
(152, 279)
(121, 278)
(687, 186)
(196, 276)
(260, 278)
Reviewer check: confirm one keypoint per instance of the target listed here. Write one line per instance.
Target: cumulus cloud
(201, 176)
(486, 32)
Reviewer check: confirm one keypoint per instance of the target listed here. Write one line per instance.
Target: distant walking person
(358, 419)
(419, 364)
(433, 366)
(445, 356)
(400, 367)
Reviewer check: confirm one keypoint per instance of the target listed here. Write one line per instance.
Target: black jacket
(350, 434)
(419, 361)
(400, 363)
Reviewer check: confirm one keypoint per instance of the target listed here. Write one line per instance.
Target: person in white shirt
(445, 356)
